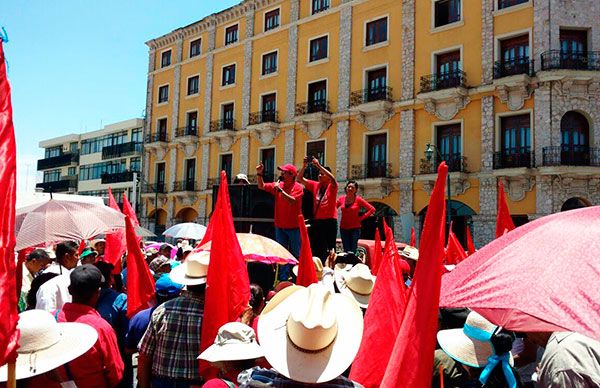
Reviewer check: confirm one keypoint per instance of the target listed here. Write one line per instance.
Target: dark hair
(352, 182)
(501, 343)
(66, 247)
(36, 283)
(327, 168)
(257, 297)
(38, 254)
(106, 269)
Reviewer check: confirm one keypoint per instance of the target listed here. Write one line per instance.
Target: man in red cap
(288, 205)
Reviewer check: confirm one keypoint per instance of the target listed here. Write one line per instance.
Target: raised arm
(325, 171)
(300, 177)
(259, 175)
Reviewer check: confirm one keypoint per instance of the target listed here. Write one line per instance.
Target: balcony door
(447, 70)
(226, 164)
(160, 177)
(192, 123)
(514, 55)
(575, 137)
(267, 156)
(449, 145)
(376, 84)
(314, 149)
(317, 96)
(377, 156)
(190, 174)
(269, 107)
(162, 129)
(516, 141)
(573, 49)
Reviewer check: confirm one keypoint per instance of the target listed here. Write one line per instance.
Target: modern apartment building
(90, 163)
(382, 91)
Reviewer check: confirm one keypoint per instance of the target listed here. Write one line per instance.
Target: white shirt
(53, 294)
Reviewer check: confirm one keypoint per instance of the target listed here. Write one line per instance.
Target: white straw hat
(318, 267)
(357, 283)
(312, 335)
(234, 341)
(410, 253)
(45, 344)
(193, 270)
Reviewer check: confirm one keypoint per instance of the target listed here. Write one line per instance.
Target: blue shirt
(137, 327)
(112, 306)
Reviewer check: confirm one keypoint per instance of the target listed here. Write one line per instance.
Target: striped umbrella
(259, 249)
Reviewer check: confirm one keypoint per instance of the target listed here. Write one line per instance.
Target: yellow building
(381, 91)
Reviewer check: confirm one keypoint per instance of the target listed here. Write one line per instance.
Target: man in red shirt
(101, 366)
(288, 205)
(323, 231)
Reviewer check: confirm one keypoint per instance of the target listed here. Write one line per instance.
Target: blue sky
(75, 66)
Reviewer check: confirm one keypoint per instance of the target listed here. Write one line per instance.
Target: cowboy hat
(234, 341)
(357, 283)
(312, 335)
(410, 253)
(318, 267)
(470, 345)
(193, 270)
(46, 344)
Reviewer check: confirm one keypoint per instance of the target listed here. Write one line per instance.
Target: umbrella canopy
(140, 231)
(56, 220)
(542, 276)
(260, 249)
(159, 244)
(187, 230)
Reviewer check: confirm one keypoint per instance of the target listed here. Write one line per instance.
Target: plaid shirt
(260, 377)
(173, 337)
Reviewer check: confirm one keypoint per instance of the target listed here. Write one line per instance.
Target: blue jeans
(290, 240)
(350, 239)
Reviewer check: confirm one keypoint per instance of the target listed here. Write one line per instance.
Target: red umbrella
(542, 276)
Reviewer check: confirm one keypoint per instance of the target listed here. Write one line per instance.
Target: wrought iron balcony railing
(513, 67)
(159, 188)
(210, 182)
(59, 186)
(62, 160)
(157, 137)
(557, 59)
(571, 155)
(185, 185)
(371, 94)
(433, 82)
(117, 177)
(315, 106)
(186, 131)
(222, 125)
(514, 158)
(120, 150)
(455, 162)
(264, 116)
(371, 170)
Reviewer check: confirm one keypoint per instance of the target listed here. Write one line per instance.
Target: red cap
(288, 168)
(404, 266)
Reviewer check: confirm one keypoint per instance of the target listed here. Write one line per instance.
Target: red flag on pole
(82, 245)
(470, 245)
(378, 256)
(115, 241)
(382, 320)
(9, 335)
(140, 284)
(413, 237)
(307, 273)
(227, 284)
(128, 211)
(411, 362)
(504, 222)
(455, 253)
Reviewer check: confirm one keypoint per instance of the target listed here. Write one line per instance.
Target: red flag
(504, 222)
(382, 320)
(413, 237)
(82, 245)
(227, 284)
(9, 335)
(470, 245)
(390, 247)
(140, 284)
(377, 257)
(115, 241)
(307, 274)
(128, 211)
(411, 362)
(455, 253)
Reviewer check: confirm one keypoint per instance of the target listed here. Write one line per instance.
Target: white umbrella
(187, 230)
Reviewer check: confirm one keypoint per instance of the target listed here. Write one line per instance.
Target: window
(96, 144)
(163, 94)
(449, 145)
(192, 85)
(190, 174)
(160, 177)
(509, 3)
(52, 176)
(446, 12)
(317, 97)
(231, 34)
(515, 141)
(53, 151)
(228, 75)
(267, 156)
(314, 149)
(135, 164)
(191, 123)
(95, 171)
(195, 47)
(319, 6)
(377, 156)
(514, 56)
(162, 129)
(269, 108)
(165, 58)
(575, 138)
(377, 85)
(136, 135)
(226, 164)
(448, 70)
(376, 32)
(573, 41)
(318, 49)
(227, 116)
(272, 19)
(72, 171)
(269, 63)
(73, 147)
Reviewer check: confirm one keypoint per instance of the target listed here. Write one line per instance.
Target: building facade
(382, 91)
(90, 163)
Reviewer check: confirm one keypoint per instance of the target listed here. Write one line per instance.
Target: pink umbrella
(57, 220)
(260, 249)
(542, 276)
(158, 245)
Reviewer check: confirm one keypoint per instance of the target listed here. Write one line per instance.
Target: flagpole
(12, 375)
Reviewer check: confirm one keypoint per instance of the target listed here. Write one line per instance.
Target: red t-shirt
(286, 214)
(350, 217)
(326, 208)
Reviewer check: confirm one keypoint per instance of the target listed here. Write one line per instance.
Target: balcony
(556, 59)
(315, 106)
(514, 67)
(65, 159)
(120, 150)
(514, 158)
(117, 177)
(571, 155)
(434, 82)
(157, 137)
(365, 96)
(154, 188)
(222, 125)
(266, 116)
(265, 124)
(186, 131)
(455, 162)
(372, 107)
(185, 185)
(313, 117)
(69, 183)
(371, 170)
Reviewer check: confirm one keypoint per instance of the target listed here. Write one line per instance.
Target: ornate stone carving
(265, 132)
(445, 104)
(186, 199)
(374, 117)
(518, 186)
(224, 139)
(459, 184)
(314, 124)
(375, 188)
(161, 152)
(514, 94)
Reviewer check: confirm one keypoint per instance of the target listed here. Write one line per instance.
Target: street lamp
(429, 150)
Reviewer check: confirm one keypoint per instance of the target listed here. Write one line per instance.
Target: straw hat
(410, 253)
(357, 283)
(310, 335)
(470, 345)
(318, 267)
(234, 341)
(193, 270)
(46, 344)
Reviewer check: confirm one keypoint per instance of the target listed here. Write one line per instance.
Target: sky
(75, 66)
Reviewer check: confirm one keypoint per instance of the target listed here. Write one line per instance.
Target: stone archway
(187, 214)
(158, 219)
(382, 211)
(461, 216)
(575, 203)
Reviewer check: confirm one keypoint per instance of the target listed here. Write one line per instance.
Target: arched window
(575, 139)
